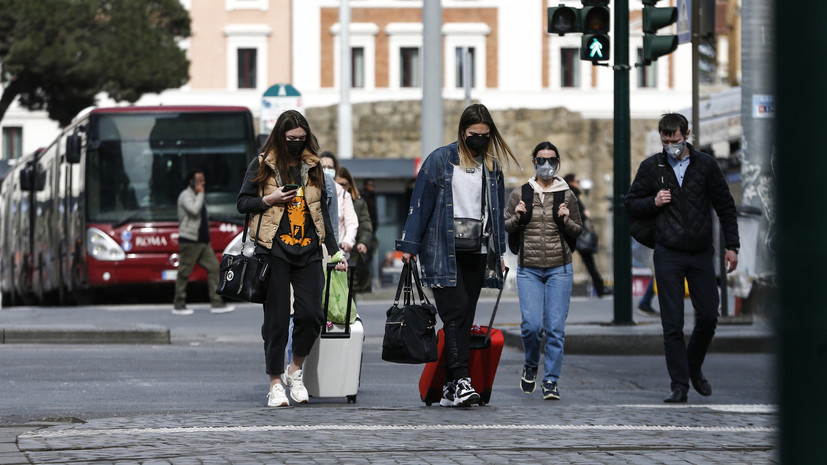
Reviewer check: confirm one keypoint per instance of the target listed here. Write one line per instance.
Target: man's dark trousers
(670, 269)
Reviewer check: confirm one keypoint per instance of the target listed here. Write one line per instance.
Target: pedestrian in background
(544, 274)
(364, 232)
(348, 223)
(680, 186)
(294, 225)
(587, 255)
(462, 180)
(194, 246)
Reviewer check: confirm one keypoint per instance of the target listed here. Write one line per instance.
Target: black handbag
(467, 234)
(409, 331)
(587, 240)
(241, 277)
(468, 231)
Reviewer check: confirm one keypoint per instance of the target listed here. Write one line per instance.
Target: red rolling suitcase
(486, 348)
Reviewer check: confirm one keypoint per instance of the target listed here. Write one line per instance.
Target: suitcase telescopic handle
(496, 306)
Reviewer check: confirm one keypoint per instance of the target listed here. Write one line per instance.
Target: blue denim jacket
(429, 229)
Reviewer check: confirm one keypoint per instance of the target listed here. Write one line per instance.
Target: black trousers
(308, 316)
(597, 280)
(671, 267)
(457, 307)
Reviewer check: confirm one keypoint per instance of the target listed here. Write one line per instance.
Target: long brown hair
(497, 148)
(352, 189)
(277, 145)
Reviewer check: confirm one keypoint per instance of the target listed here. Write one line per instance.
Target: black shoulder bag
(241, 277)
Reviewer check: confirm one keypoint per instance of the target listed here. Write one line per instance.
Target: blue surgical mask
(330, 172)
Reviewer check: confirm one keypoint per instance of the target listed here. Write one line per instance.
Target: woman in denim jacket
(462, 180)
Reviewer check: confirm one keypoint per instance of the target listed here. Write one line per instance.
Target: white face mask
(330, 172)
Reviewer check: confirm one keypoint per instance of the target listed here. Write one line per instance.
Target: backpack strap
(565, 239)
(528, 199)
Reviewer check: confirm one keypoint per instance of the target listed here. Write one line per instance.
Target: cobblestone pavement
(321, 433)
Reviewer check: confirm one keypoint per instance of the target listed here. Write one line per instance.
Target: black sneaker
(647, 310)
(465, 395)
(528, 382)
(448, 395)
(550, 391)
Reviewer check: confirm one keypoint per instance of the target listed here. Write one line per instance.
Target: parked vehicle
(97, 207)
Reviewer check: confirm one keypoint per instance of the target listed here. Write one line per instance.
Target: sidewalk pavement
(589, 327)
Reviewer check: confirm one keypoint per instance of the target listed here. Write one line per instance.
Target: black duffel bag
(409, 330)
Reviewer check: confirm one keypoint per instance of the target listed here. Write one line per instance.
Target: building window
(247, 68)
(247, 56)
(357, 67)
(12, 142)
(460, 70)
(569, 67)
(409, 67)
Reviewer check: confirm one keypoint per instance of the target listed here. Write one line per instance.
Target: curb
(648, 344)
(157, 335)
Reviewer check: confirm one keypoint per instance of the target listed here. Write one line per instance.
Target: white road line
(731, 408)
(46, 434)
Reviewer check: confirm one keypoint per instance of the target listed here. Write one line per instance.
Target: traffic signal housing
(563, 20)
(655, 46)
(595, 22)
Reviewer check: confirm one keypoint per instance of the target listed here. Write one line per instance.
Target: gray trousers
(190, 254)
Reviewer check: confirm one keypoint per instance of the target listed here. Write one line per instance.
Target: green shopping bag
(336, 284)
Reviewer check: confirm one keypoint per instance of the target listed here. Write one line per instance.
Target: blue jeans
(545, 295)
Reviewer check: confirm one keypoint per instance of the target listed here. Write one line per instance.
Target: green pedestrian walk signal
(595, 19)
(655, 46)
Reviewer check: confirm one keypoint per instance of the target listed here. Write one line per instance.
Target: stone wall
(392, 130)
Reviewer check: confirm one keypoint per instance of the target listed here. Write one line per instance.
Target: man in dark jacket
(681, 192)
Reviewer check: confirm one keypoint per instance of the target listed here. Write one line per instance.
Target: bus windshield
(137, 163)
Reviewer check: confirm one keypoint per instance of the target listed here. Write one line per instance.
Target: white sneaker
(182, 311)
(222, 308)
(277, 397)
(297, 390)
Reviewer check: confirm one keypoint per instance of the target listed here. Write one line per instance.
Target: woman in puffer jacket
(544, 274)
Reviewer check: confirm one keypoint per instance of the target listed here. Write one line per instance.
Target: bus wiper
(239, 220)
(133, 215)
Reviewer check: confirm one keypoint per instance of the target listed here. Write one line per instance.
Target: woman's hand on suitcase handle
(341, 266)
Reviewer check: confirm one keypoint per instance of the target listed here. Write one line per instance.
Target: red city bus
(97, 209)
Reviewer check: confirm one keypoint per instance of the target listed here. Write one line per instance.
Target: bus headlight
(235, 246)
(102, 247)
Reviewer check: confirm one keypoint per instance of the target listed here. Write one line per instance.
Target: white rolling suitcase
(334, 365)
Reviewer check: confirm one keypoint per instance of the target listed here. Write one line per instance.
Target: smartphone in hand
(290, 187)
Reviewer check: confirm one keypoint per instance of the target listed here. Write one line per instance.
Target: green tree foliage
(59, 54)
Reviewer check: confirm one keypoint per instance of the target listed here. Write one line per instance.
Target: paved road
(200, 399)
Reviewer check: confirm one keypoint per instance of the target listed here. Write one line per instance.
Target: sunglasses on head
(542, 161)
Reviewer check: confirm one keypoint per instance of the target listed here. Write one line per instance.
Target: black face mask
(477, 143)
(295, 147)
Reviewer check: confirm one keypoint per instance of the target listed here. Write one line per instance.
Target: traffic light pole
(622, 169)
